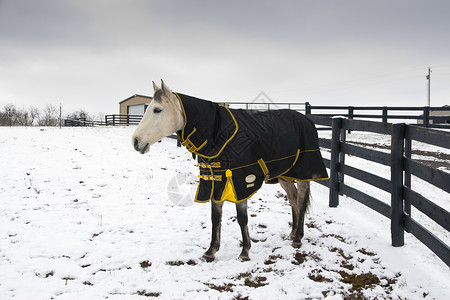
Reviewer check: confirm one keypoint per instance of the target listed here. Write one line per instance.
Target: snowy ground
(83, 216)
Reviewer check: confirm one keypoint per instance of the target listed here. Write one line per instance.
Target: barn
(438, 116)
(134, 105)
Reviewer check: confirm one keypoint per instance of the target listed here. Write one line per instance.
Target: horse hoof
(297, 244)
(244, 258)
(209, 257)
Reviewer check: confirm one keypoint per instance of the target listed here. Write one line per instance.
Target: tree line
(49, 115)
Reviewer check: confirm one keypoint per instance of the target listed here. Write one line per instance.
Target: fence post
(397, 220)
(385, 114)
(334, 162)
(407, 178)
(307, 108)
(426, 116)
(343, 139)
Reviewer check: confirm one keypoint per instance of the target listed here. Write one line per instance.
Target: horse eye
(157, 110)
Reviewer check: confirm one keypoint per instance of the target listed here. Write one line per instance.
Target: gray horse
(237, 151)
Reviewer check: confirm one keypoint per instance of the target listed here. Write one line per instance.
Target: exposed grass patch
(226, 287)
(365, 252)
(299, 258)
(148, 294)
(341, 253)
(359, 281)
(45, 275)
(190, 262)
(317, 277)
(259, 281)
(272, 259)
(145, 264)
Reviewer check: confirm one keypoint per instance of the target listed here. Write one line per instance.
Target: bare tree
(80, 114)
(34, 114)
(49, 116)
(8, 115)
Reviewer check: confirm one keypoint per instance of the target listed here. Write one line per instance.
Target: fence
(122, 119)
(422, 115)
(112, 120)
(263, 106)
(402, 167)
(82, 122)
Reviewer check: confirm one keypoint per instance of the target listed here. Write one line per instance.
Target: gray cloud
(92, 54)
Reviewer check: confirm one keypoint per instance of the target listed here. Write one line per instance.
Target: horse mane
(157, 96)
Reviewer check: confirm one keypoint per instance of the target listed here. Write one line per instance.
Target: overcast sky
(92, 54)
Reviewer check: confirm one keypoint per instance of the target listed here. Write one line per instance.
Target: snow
(84, 216)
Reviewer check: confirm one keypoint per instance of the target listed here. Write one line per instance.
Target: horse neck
(180, 115)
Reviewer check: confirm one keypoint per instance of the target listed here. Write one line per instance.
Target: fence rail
(263, 106)
(110, 120)
(402, 167)
(422, 115)
(122, 119)
(82, 122)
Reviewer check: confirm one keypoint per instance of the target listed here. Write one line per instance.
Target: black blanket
(239, 149)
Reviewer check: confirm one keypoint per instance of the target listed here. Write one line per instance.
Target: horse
(237, 151)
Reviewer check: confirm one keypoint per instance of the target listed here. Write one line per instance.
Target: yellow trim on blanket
(229, 193)
(226, 143)
(296, 179)
(212, 189)
(237, 201)
(263, 166)
(210, 177)
(293, 164)
(182, 139)
(213, 164)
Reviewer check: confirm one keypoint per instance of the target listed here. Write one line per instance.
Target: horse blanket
(238, 150)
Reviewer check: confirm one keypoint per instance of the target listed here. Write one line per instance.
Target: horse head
(163, 117)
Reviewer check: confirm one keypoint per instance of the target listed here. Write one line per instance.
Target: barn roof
(135, 95)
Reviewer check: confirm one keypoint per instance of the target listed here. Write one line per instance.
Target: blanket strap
(263, 166)
(211, 177)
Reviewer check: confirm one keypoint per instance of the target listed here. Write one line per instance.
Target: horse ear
(165, 88)
(155, 87)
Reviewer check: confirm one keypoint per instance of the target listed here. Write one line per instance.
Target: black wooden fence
(402, 167)
(122, 119)
(112, 120)
(422, 115)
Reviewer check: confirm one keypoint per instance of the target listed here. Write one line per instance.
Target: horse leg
(291, 191)
(241, 209)
(216, 219)
(303, 200)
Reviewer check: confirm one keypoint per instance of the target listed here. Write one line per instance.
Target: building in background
(134, 105)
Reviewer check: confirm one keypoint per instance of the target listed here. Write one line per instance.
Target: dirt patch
(341, 253)
(365, 252)
(147, 294)
(45, 275)
(359, 281)
(259, 281)
(145, 264)
(227, 287)
(316, 276)
(272, 259)
(181, 263)
(299, 258)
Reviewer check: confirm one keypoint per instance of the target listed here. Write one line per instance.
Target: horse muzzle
(140, 149)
